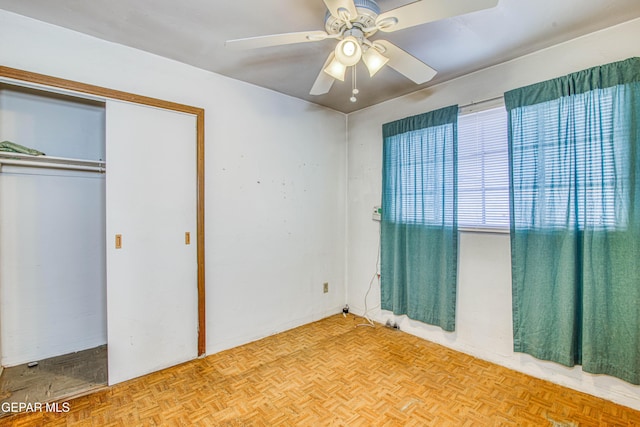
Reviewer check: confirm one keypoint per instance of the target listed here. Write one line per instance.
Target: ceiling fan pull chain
(354, 89)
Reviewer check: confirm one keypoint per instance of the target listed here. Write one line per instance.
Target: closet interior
(53, 312)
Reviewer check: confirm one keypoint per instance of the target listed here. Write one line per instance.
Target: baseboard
(271, 330)
(602, 386)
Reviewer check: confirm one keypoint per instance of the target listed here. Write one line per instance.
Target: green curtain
(419, 235)
(575, 219)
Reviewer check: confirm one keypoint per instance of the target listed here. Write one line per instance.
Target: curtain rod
(471, 104)
(475, 105)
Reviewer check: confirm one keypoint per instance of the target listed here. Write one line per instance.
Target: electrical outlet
(392, 324)
(325, 287)
(377, 213)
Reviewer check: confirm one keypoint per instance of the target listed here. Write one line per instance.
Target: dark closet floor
(56, 378)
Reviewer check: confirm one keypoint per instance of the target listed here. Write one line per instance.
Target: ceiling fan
(353, 22)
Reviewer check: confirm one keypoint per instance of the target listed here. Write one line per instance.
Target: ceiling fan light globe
(336, 69)
(374, 61)
(349, 48)
(348, 51)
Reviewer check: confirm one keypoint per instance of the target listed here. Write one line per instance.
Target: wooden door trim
(55, 82)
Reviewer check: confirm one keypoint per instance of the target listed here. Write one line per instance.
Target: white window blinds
(483, 170)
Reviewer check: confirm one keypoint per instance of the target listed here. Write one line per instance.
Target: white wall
(484, 287)
(275, 179)
(52, 259)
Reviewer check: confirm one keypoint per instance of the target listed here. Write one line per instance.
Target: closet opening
(53, 314)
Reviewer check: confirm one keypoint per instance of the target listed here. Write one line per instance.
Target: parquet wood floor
(330, 373)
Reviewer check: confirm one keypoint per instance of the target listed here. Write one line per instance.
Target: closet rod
(99, 169)
(49, 159)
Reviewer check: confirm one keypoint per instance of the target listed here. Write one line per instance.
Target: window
(572, 173)
(483, 170)
(419, 174)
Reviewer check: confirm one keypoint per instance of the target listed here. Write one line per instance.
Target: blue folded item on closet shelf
(12, 147)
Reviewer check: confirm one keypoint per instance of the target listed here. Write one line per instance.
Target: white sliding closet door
(152, 315)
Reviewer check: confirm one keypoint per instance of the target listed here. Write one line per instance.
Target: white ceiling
(194, 32)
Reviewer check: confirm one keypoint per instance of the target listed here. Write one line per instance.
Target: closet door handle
(118, 241)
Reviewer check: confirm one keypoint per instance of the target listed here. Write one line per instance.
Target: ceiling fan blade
(406, 64)
(276, 40)
(423, 11)
(334, 7)
(324, 81)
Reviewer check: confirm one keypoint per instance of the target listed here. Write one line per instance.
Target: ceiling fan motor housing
(368, 10)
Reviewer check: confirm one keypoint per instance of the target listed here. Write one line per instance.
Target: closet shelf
(27, 160)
